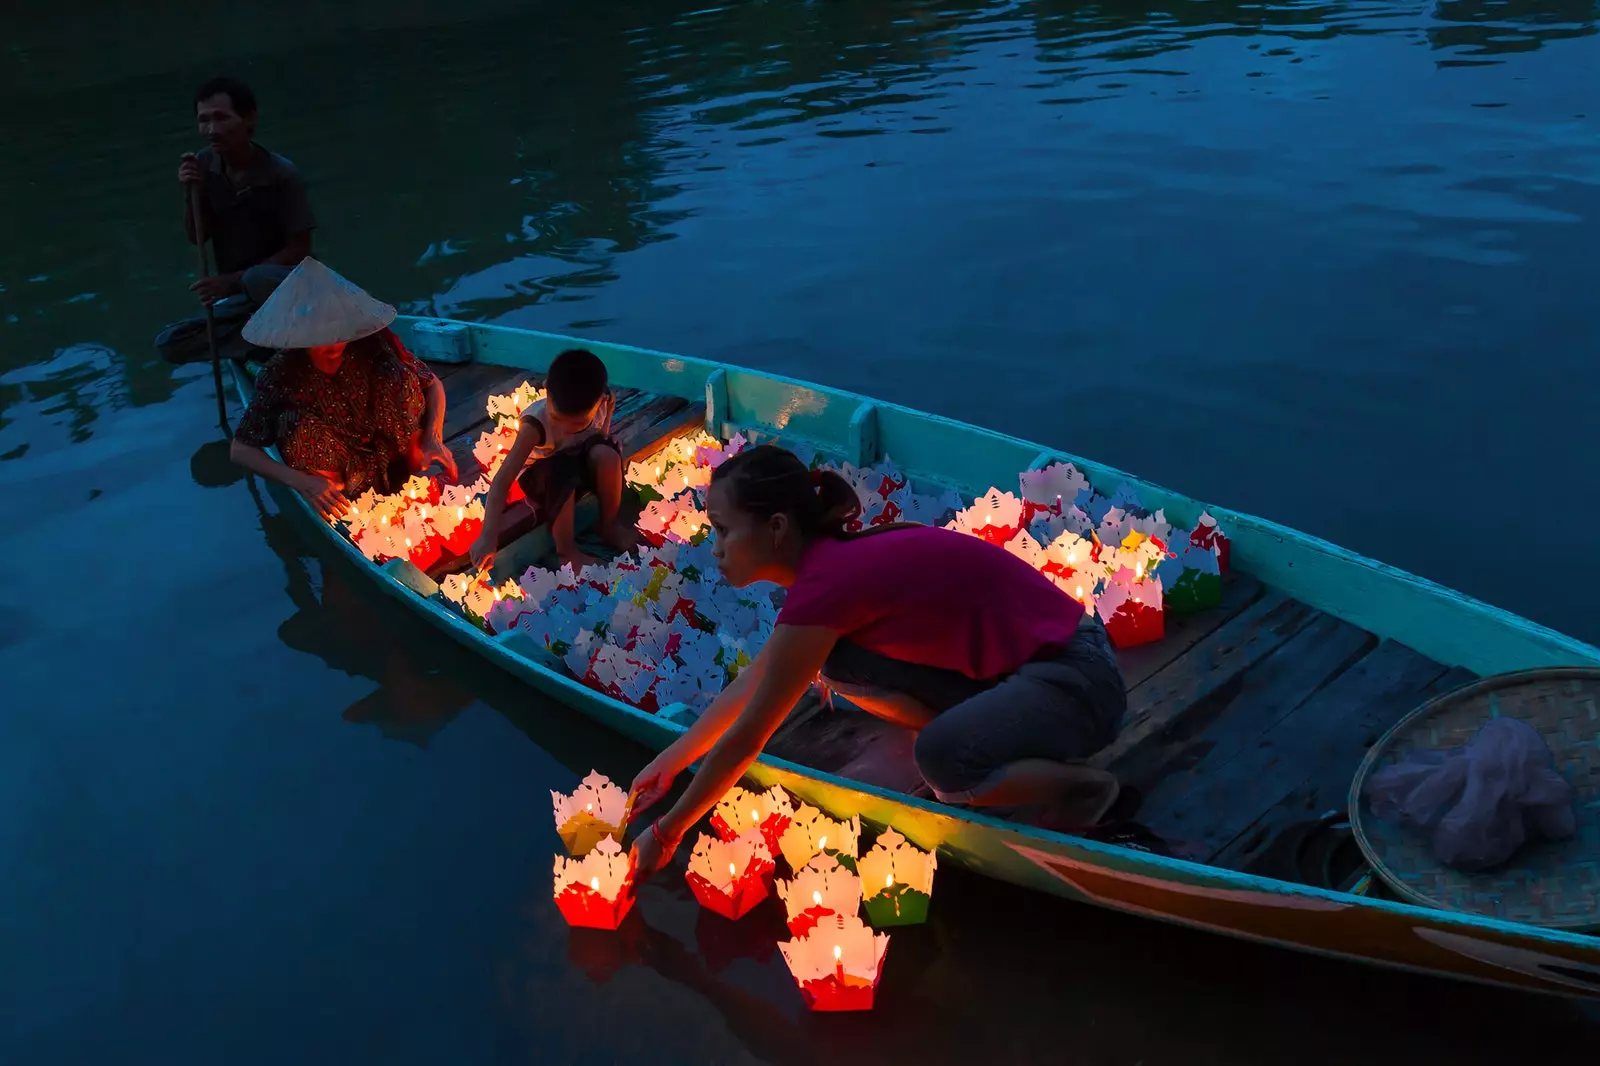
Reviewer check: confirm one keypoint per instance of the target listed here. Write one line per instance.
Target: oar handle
(197, 216)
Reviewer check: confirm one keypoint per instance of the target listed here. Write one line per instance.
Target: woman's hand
(326, 494)
(652, 850)
(483, 549)
(654, 781)
(434, 451)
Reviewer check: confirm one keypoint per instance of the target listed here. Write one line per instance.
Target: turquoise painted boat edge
(984, 844)
(1439, 622)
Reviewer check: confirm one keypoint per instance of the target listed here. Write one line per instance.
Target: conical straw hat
(313, 306)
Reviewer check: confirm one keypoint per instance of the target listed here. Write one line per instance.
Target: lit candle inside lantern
(838, 964)
(742, 810)
(730, 876)
(595, 891)
(821, 889)
(897, 881)
(810, 831)
(596, 810)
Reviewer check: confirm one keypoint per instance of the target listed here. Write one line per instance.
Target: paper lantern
(741, 811)
(596, 891)
(821, 889)
(1130, 609)
(730, 876)
(810, 831)
(596, 810)
(896, 881)
(838, 964)
(1207, 534)
(995, 517)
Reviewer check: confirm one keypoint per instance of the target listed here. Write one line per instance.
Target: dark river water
(1326, 262)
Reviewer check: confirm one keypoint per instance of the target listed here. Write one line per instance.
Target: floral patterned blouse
(359, 423)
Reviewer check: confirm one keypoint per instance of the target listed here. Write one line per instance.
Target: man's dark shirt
(254, 220)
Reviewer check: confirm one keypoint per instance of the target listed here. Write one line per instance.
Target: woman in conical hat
(345, 404)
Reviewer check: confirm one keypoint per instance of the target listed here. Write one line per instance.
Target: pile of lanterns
(658, 628)
(427, 520)
(836, 958)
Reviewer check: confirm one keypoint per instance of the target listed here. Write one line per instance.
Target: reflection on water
(1163, 234)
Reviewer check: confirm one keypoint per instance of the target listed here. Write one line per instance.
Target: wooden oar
(211, 318)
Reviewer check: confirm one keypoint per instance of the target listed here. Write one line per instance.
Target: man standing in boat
(256, 215)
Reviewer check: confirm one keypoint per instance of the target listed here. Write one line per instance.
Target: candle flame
(733, 871)
(589, 807)
(1072, 557)
(816, 897)
(461, 512)
(497, 595)
(386, 518)
(408, 542)
(1080, 592)
(888, 880)
(424, 510)
(838, 953)
(1138, 572)
(594, 883)
(822, 842)
(353, 508)
(755, 816)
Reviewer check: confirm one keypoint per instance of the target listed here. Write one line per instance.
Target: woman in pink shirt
(1005, 679)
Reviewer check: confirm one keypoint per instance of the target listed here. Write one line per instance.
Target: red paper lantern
(1134, 624)
(586, 908)
(459, 542)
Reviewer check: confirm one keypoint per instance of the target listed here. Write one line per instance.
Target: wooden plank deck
(642, 423)
(1244, 722)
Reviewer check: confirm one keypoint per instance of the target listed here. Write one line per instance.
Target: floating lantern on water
(838, 964)
(596, 891)
(897, 881)
(730, 876)
(741, 811)
(823, 888)
(596, 810)
(810, 832)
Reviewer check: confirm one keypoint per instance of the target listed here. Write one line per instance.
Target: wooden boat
(1243, 722)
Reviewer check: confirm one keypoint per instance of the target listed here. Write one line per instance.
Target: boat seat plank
(1140, 662)
(1302, 667)
(1304, 764)
(467, 392)
(1181, 697)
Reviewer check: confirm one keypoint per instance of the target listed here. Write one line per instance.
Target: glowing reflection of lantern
(741, 811)
(810, 831)
(596, 891)
(821, 889)
(595, 810)
(838, 964)
(896, 881)
(730, 876)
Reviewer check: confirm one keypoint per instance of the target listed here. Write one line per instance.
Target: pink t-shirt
(933, 597)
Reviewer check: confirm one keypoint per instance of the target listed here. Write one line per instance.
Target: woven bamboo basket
(1553, 884)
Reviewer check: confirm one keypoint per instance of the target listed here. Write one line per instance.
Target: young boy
(563, 447)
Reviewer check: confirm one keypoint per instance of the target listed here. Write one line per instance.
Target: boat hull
(1201, 897)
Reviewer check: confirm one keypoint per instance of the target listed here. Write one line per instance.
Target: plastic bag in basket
(1480, 802)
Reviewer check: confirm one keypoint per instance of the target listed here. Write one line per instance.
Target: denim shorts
(1064, 705)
